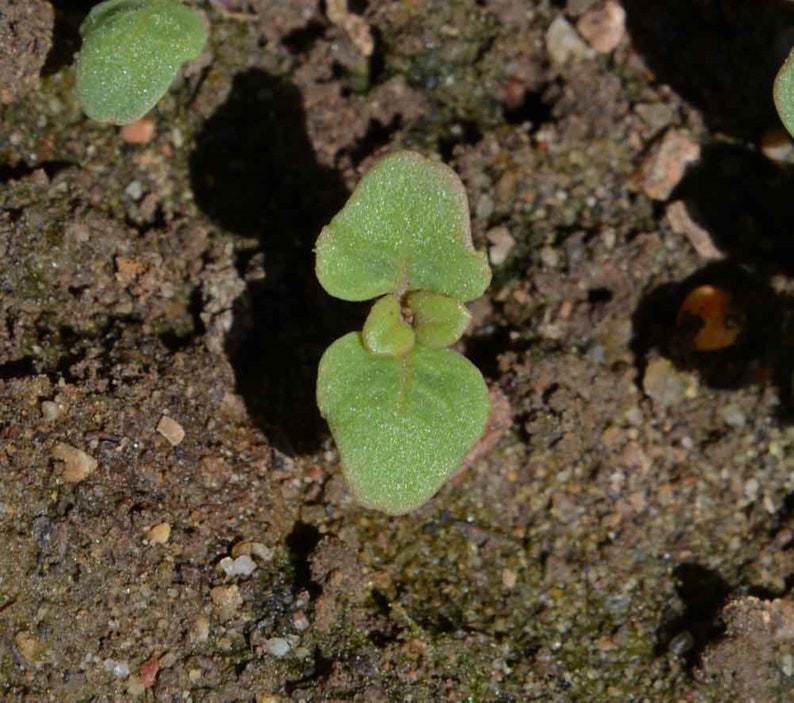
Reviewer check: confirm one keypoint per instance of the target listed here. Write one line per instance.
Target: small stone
(50, 410)
(148, 671)
(665, 385)
(256, 549)
(681, 643)
(171, 430)
(751, 488)
(29, 647)
(139, 132)
(657, 116)
(509, 578)
(682, 223)
(603, 26)
(299, 621)
(664, 168)
(278, 647)
(777, 146)
(563, 44)
(159, 534)
(502, 243)
(227, 600)
(243, 566)
(199, 629)
(733, 416)
(134, 190)
(78, 465)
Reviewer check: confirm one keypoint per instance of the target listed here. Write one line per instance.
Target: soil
(174, 521)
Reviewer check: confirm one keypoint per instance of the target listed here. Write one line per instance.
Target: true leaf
(131, 52)
(439, 320)
(405, 227)
(385, 331)
(403, 424)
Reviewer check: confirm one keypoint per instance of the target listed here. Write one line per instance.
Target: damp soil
(627, 536)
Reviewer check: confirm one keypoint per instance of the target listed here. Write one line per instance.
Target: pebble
(148, 672)
(664, 168)
(657, 116)
(199, 629)
(278, 647)
(299, 621)
(681, 222)
(603, 26)
(243, 566)
(563, 44)
(119, 669)
(665, 385)
(502, 243)
(78, 465)
(227, 600)
(509, 578)
(134, 190)
(733, 416)
(139, 132)
(28, 646)
(777, 146)
(171, 430)
(257, 549)
(50, 410)
(159, 534)
(681, 643)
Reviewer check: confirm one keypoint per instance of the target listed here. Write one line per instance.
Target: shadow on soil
(727, 53)
(686, 629)
(255, 173)
(744, 202)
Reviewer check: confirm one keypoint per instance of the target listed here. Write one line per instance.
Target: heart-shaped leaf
(439, 320)
(403, 424)
(131, 52)
(405, 227)
(783, 93)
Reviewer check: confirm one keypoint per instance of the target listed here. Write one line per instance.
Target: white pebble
(278, 647)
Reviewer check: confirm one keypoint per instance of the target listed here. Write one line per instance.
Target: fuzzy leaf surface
(402, 424)
(405, 227)
(783, 93)
(131, 52)
(439, 320)
(385, 331)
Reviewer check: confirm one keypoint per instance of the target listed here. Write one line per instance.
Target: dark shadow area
(657, 324)
(720, 55)
(744, 201)
(690, 628)
(255, 173)
(69, 15)
(301, 543)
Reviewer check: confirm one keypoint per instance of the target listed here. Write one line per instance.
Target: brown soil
(603, 549)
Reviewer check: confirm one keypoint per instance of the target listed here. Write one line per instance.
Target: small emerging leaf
(783, 93)
(402, 424)
(385, 331)
(439, 320)
(405, 227)
(131, 52)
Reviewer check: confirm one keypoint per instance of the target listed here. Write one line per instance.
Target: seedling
(783, 93)
(403, 408)
(131, 52)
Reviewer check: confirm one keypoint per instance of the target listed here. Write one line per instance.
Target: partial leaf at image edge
(402, 424)
(131, 52)
(783, 93)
